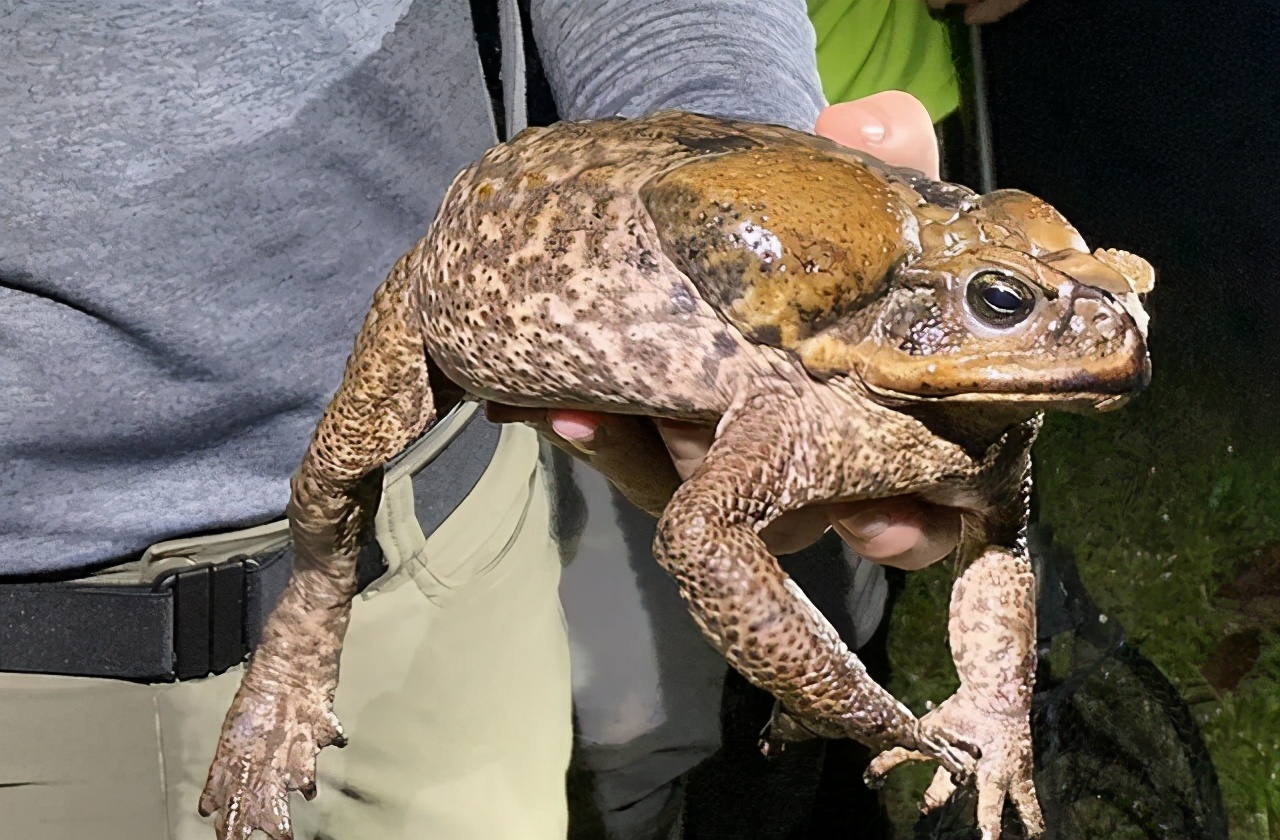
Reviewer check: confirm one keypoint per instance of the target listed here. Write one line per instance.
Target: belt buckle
(208, 617)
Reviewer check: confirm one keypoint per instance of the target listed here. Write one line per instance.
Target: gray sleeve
(749, 59)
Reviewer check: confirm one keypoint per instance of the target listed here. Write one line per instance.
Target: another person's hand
(980, 11)
(902, 532)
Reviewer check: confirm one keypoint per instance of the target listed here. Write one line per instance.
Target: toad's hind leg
(282, 716)
(770, 457)
(992, 627)
(992, 630)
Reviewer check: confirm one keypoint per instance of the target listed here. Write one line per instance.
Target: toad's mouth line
(1079, 392)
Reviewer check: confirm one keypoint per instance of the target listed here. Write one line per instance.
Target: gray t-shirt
(198, 199)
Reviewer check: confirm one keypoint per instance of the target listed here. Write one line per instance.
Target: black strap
(85, 630)
(540, 104)
(484, 20)
(191, 623)
(198, 620)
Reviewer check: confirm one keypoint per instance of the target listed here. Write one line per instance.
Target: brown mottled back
(783, 241)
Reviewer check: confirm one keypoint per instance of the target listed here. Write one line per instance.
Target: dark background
(1153, 128)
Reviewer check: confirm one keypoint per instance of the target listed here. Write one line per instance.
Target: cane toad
(853, 331)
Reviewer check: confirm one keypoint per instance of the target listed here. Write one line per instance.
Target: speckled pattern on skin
(854, 330)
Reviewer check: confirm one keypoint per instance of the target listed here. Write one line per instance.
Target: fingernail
(872, 133)
(868, 525)
(581, 436)
(579, 445)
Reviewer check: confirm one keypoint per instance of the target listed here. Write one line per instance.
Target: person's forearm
(749, 59)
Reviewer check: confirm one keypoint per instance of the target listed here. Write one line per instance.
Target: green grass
(1164, 503)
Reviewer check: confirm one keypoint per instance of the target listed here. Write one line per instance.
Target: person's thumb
(893, 125)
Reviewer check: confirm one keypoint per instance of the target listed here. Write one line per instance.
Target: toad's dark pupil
(1001, 298)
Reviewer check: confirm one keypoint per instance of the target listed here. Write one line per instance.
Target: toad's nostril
(1105, 325)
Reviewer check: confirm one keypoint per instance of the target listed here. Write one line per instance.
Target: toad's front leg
(774, 454)
(993, 635)
(282, 715)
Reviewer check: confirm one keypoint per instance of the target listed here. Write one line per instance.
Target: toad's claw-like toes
(954, 761)
(880, 766)
(1022, 791)
(956, 756)
(939, 790)
(268, 748)
(1003, 768)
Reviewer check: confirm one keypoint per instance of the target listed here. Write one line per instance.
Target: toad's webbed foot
(268, 749)
(1002, 770)
(282, 715)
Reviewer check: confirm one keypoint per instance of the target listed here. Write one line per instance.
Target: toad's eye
(998, 299)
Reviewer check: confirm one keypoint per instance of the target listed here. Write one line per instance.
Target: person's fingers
(687, 442)
(980, 11)
(578, 428)
(625, 449)
(989, 11)
(893, 125)
(796, 530)
(903, 532)
(892, 532)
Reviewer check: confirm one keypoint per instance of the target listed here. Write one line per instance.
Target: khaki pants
(455, 694)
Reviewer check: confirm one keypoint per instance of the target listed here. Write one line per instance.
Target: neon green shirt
(869, 46)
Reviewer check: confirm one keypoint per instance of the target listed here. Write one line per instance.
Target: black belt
(197, 620)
